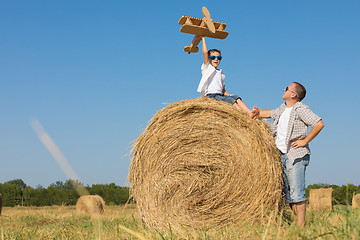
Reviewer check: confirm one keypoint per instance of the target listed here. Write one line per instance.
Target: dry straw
(90, 204)
(0, 203)
(320, 199)
(202, 162)
(356, 201)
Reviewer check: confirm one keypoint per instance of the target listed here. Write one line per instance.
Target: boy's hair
(300, 91)
(213, 50)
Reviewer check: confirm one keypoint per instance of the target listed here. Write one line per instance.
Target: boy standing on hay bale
(290, 130)
(212, 83)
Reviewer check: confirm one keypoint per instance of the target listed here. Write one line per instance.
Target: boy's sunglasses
(213, 57)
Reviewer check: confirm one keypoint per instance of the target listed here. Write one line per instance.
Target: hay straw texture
(90, 204)
(320, 199)
(0, 203)
(356, 201)
(203, 162)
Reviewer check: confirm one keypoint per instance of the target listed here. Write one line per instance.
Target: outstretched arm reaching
(205, 51)
(264, 114)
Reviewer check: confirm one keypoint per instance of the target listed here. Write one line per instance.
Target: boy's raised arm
(205, 51)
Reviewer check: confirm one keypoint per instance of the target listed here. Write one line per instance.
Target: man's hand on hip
(299, 143)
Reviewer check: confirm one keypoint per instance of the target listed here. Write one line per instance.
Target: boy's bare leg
(254, 113)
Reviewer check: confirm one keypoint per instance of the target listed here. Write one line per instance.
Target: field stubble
(62, 222)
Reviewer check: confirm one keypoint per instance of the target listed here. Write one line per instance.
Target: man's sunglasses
(287, 89)
(213, 57)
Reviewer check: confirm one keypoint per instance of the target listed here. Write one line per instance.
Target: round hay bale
(203, 162)
(356, 201)
(90, 204)
(320, 199)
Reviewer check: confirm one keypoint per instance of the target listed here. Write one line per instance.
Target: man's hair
(213, 50)
(300, 91)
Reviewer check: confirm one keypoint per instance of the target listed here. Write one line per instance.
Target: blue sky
(95, 72)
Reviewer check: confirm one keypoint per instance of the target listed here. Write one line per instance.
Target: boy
(212, 83)
(290, 130)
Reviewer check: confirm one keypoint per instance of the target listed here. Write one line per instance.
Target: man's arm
(264, 114)
(205, 51)
(313, 133)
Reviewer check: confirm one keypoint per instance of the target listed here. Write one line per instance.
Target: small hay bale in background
(0, 203)
(320, 199)
(356, 201)
(90, 204)
(203, 162)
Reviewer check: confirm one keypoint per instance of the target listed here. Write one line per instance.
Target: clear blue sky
(95, 72)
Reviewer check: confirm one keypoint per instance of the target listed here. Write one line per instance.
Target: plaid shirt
(301, 117)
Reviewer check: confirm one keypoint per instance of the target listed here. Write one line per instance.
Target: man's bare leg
(299, 210)
(293, 208)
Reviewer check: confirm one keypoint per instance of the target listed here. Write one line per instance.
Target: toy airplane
(201, 27)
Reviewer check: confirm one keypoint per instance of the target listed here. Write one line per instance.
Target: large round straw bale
(356, 201)
(90, 204)
(201, 162)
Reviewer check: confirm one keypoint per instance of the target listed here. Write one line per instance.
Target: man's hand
(299, 143)
(313, 133)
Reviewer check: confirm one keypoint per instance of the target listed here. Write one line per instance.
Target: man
(290, 130)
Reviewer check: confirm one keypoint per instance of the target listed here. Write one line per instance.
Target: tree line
(16, 192)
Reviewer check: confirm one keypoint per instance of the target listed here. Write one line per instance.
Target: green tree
(21, 185)
(11, 195)
(17, 182)
(32, 196)
(98, 189)
(41, 196)
(112, 194)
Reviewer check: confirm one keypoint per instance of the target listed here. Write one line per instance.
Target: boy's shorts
(294, 178)
(222, 97)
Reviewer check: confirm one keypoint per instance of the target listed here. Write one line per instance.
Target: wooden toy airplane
(201, 27)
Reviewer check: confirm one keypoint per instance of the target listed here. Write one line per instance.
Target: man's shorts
(221, 97)
(294, 178)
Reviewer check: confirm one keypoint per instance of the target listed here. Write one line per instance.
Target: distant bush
(15, 192)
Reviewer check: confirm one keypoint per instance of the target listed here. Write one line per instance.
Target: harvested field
(0, 203)
(62, 222)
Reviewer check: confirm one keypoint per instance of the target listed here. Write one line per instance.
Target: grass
(60, 222)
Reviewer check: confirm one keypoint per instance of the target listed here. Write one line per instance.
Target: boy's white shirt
(207, 70)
